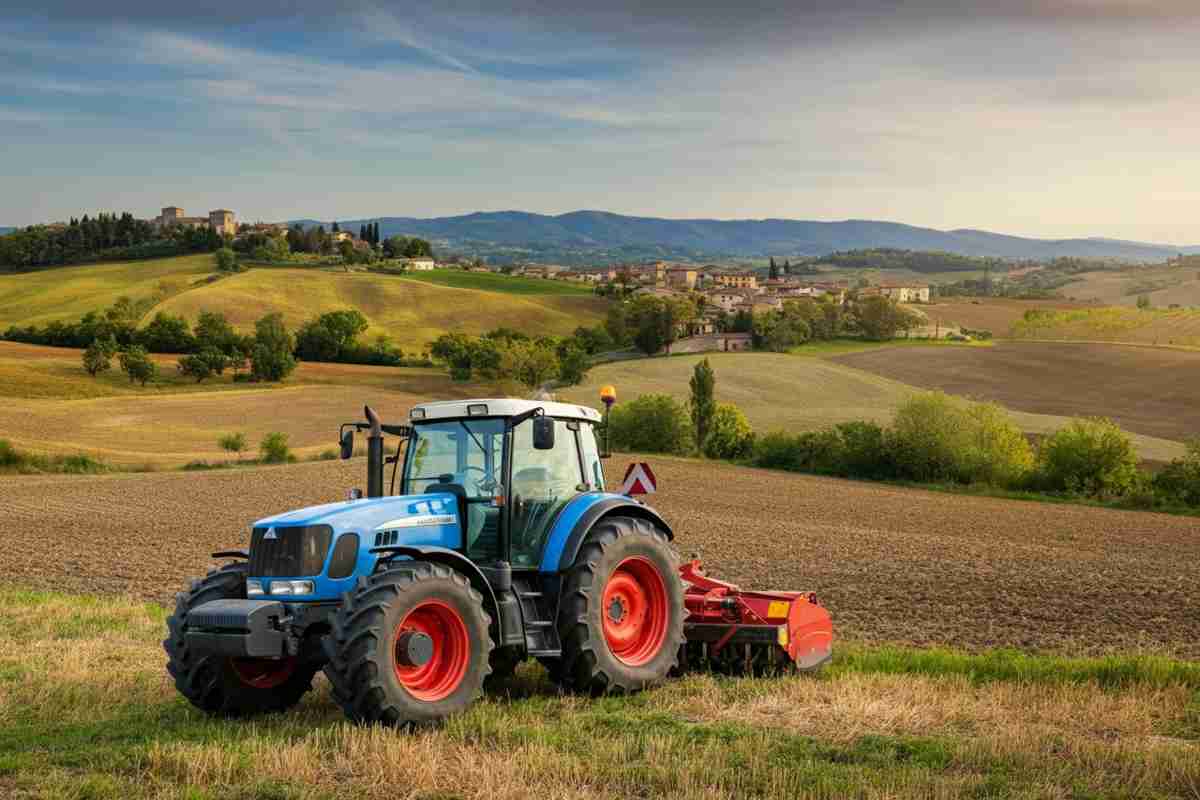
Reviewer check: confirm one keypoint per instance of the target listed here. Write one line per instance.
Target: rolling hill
(589, 236)
(412, 312)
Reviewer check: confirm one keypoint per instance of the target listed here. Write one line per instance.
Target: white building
(421, 264)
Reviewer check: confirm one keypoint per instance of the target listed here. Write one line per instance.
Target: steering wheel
(485, 484)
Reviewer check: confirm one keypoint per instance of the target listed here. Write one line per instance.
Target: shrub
(273, 449)
(653, 423)
(226, 260)
(97, 357)
(729, 434)
(1179, 481)
(232, 443)
(204, 364)
(864, 452)
(938, 438)
(1090, 457)
(136, 363)
(271, 358)
(17, 461)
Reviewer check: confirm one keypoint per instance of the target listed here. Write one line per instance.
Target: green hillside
(412, 311)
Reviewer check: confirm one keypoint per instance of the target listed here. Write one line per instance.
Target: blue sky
(1045, 118)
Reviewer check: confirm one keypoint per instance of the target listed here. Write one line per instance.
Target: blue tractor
(500, 545)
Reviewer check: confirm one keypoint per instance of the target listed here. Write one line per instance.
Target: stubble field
(893, 565)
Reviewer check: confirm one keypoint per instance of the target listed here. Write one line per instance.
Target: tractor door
(543, 481)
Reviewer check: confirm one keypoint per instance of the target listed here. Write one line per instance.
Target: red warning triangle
(639, 479)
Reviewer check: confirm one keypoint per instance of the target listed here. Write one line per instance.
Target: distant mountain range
(597, 237)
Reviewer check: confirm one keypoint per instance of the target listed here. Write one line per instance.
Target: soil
(891, 564)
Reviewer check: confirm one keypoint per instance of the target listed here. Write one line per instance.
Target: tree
(787, 267)
(362, 233)
(136, 363)
(346, 251)
(529, 363)
(273, 449)
(232, 443)
(702, 404)
(653, 423)
(167, 333)
(97, 357)
(616, 324)
(572, 364)
(881, 318)
(271, 358)
(330, 335)
(335, 228)
(1143, 302)
(226, 260)
(213, 330)
(208, 362)
(773, 271)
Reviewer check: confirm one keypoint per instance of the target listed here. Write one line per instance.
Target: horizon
(1050, 120)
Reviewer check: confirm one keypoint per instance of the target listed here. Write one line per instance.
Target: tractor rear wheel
(220, 684)
(621, 614)
(409, 646)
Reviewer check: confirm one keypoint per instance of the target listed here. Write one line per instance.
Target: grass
(19, 462)
(67, 293)
(492, 282)
(839, 347)
(86, 710)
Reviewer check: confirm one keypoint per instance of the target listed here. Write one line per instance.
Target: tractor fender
(450, 558)
(580, 516)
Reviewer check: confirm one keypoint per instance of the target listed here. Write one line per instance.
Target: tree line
(100, 238)
(504, 354)
(914, 260)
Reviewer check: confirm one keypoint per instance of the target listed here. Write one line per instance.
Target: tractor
(501, 545)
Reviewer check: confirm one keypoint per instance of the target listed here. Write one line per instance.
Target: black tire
(361, 648)
(588, 663)
(217, 684)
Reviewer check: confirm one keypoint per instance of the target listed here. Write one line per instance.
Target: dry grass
(1163, 285)
(412, 312)
(117, 729)
(892, 565)
(67, 293)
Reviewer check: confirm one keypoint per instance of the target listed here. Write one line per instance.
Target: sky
(1049, 118)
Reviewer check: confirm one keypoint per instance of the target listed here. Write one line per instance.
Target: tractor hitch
(734, 631)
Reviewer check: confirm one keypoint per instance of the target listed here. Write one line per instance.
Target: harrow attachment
(736, 632)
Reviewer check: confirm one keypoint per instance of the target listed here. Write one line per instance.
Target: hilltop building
(221, 220)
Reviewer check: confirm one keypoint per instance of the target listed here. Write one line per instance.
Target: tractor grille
(297, 552)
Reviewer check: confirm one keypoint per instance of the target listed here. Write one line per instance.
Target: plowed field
(892, 564)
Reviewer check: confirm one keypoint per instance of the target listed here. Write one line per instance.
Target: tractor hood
(423, 519)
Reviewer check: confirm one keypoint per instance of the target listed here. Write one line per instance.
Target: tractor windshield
(468, 452)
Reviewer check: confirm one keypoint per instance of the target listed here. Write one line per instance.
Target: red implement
(736, 631)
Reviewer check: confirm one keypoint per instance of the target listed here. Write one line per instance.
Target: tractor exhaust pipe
(374, 454)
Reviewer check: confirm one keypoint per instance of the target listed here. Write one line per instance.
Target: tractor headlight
(291, 587)
(253, 588)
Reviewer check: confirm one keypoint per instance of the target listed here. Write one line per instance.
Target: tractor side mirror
(347, 443)
(543, 433)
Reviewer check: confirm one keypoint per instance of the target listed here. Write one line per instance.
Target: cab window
(543, 481)
(593, 467)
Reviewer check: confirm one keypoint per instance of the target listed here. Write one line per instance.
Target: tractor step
(537, 613)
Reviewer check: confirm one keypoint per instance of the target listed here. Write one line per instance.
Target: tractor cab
(509, 466)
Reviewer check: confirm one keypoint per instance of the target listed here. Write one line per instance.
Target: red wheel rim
(442, 674)
(635, 611)
(263, 673)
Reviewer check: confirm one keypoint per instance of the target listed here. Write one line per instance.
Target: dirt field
(891, 564)
(1163, 285)
(1147, 390)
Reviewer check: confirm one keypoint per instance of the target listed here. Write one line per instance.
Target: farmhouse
(682, 277)
(721, 342)
(420, 264)
(905, 293)
(728, 299)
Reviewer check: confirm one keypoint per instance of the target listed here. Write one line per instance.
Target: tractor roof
(453, 409)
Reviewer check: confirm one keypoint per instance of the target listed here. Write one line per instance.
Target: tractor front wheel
(409, 646)
(621, 614)
(224, 685)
